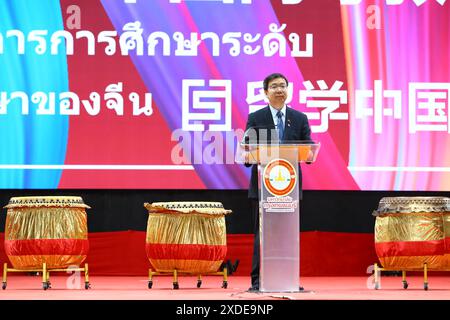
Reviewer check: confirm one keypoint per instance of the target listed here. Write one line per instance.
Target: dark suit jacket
(296, 127)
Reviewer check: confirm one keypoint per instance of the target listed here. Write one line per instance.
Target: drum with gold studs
(411, 231)
(186, 236)
(46, 229)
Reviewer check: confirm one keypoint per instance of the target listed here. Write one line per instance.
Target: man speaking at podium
(290, 125)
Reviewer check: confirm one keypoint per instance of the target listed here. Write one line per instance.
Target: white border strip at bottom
(93, 167)
(404, 169)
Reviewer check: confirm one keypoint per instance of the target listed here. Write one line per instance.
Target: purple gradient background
(412, 45)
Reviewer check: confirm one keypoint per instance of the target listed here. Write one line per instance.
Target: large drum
(411, 231)
(46, 229)
(186, 236)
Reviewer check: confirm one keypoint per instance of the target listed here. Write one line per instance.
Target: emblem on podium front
(280, 177)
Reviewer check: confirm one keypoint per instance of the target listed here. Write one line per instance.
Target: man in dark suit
(289, 125)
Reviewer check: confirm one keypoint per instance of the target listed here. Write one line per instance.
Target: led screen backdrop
(155, 94)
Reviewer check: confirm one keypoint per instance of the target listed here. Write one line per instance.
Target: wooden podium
(279, 210)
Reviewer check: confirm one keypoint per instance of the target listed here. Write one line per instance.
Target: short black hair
(271, 77)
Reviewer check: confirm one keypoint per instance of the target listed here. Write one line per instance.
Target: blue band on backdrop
(31, 139)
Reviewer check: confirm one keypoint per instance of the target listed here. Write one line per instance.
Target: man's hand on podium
(310, 157)
(247, 159)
